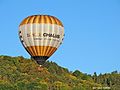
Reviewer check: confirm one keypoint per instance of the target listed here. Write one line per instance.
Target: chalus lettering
(51, 35)
(44, 35)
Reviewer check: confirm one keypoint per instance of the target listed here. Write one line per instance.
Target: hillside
(18, 73)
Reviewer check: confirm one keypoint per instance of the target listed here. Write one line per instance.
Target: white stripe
(37, 29)
(62, 36)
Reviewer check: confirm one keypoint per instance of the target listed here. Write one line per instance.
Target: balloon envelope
(41, 35)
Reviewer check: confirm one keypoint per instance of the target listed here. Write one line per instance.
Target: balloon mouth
(40, 59)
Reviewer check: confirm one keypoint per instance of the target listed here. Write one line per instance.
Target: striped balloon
(41, 35)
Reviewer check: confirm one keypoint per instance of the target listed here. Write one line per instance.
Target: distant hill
(19, 73)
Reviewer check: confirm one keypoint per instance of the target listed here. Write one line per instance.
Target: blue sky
(92, 31)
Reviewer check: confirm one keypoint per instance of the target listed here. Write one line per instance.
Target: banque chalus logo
(44, 35)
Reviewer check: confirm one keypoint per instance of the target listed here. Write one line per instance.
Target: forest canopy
(19, 73)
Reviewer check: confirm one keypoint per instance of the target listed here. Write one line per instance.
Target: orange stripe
(35, 20)
(53, 51)
(31, 19)
(48, 19)
(30, 50)
(50, 51)
(42, 20)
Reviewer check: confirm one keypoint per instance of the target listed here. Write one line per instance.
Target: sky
(92, 31)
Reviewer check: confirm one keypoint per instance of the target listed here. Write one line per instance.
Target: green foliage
(18, 73)
(111, 80)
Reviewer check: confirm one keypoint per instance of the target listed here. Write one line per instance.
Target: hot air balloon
(41, 35)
